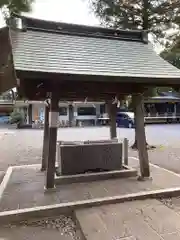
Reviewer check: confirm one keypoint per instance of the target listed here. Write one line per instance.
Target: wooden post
(71, 115)
(112, 111)
(125, 151)
(53, 125)
(141, 137)
(30, 114)
(45, 139)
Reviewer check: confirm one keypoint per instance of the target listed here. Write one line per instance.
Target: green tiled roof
(58, 51)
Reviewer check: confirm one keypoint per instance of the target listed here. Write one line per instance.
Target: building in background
(78, 113)
(165, 108)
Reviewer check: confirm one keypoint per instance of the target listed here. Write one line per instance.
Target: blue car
(125, 119)
(4, 119)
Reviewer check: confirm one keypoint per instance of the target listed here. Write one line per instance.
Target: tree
(157, 16)
(172, 54)
(8, 7)
(17, 117)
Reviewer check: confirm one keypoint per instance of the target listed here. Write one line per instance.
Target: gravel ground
(56, 228)
(19, 147)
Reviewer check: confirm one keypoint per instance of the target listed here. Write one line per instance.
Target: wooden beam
(45, 139)
(76, 86)
(53, 125)
(112, 111)
(77, 90)
(140, 134)
(69, 96)
(58, 77)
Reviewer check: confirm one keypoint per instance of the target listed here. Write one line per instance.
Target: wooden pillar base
(51, 158)
(43, 168)
(142, 179)
(149, 147)
(49, 190)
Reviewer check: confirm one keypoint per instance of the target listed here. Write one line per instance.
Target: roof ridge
(83, 30)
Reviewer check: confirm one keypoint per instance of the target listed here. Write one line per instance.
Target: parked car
(125, 119)
(4, 119)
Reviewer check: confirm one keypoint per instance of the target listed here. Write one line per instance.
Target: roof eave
(149, 80)
(7, 71)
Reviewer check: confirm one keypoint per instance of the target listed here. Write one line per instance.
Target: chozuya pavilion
(67, 62)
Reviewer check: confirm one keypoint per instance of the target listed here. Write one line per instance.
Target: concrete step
(148, 219)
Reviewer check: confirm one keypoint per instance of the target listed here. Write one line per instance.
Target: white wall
(37, 106)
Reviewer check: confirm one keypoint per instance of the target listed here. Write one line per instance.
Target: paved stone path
(26, 188)
(142, 220)
(19, 147)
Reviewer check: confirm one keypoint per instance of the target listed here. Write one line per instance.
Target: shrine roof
(44, 46)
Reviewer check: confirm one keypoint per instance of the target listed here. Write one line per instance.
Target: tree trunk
(141, 137)
(112, 111)
(145, 15)
(145, 27)
(134, 146)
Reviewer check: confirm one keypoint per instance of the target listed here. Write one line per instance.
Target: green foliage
(173, 58)
(156, 16)
(16, 117)
(161, 15)
(163, 89)
(150, 92)
(172, 55)
(17, 6)
(9, 7)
